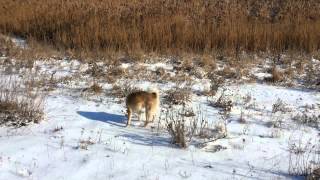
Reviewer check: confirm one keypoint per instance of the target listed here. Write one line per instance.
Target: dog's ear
(154, 94)
(153, 90)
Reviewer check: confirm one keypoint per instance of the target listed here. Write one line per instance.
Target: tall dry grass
(167, 25)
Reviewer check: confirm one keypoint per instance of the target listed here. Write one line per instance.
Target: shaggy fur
(142, 100)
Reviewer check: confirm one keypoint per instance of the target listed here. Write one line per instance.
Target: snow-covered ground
(86, 138)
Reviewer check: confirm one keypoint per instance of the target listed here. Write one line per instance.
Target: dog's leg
(153, 117)
(129, 117)
(139, 116)
(148, 115)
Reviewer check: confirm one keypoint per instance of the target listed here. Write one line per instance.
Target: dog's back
(140, 100)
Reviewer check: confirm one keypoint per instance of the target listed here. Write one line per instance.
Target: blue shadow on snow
(113, 119)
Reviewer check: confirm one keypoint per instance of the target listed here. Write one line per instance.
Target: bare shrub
(116, 72)
(215, 83)
(276, 122)
(22, 53)
(228, 73)
(181, 125)
(84, 144)
(160, 71)
(185, 127)
(95, 71)
(312, 76)
(225, 106)
(208, 63)
(279, 106)
(197, 72)
(309, 119)
(276, 75)
(96, 88)
(176, 127)
(242, 119)
(304, 158)
(122, 91)
(275, 133)
(46, 82)
(222, 102)
(19, 107)
(57, 129)
(178, 96)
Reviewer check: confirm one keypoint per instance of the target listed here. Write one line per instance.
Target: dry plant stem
(166, 26)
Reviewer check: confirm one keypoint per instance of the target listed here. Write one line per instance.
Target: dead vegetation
(18, 106)
(223, 102)
(178, 96)
(186, 126)
(310, 119)
(121, 91)
(172, 26)
(312, 74)
(177, 129)
(280, 106)
(95, 88)
(304, 158)
(276, 75)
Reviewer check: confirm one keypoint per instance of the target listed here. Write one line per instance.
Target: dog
(138, 101)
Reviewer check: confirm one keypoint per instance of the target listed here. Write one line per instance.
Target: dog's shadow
(113, 119)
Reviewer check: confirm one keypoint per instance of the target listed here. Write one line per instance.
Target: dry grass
(166, 26)
(306, 118)
(276, 75)
(19, 107)
(177, 131)
(26, 55)
(95, 88)
(178, 96)
(188, 127)
(304, 158)
(280, 106)
(223, 102)
(121, 91)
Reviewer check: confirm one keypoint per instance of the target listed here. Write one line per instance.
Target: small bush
(178, 96)
(228, 73)
(185, 127)
(222, 102)
(176, 124)
(280, 106)
(304, 158)
(122, 91)
(176, 129)
(308, 119)
(84, 144)
(215, 83)
(19, 108)
(95, 71)
(276, 75)
(312, 76)
(96, 88)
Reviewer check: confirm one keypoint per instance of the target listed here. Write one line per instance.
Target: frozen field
(83, 136)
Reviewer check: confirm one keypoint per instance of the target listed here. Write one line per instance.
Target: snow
(155, 66)
(20, 42)
(86, 139)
